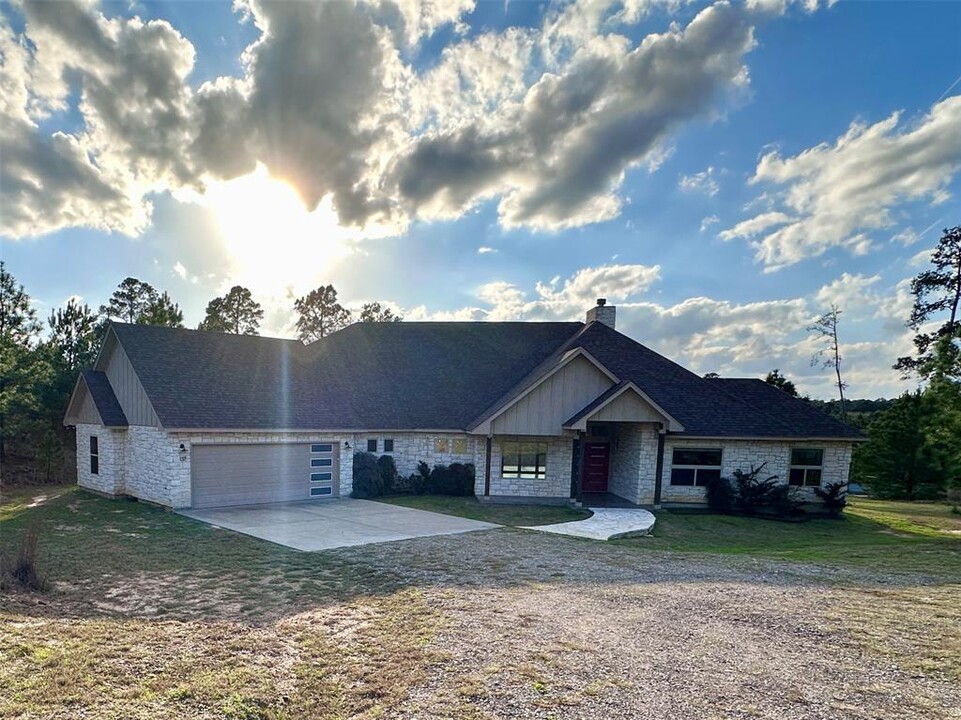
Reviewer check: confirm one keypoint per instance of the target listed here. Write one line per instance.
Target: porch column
(659, 471)
(487, 470)
(577, 471)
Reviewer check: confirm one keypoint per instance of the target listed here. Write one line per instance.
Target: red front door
(597, 463)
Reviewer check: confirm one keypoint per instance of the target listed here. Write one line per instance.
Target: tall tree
(130, 301)
(162, 311)
(23, 369)
(776, 379)
(236, 312)
(825, 328)
(937, 296)
(374, 312)
(320, 314)
(73, 335)
(897, 461)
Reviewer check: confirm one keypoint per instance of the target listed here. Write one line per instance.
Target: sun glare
(271, 240)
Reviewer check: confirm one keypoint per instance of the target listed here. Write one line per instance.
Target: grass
(500, 513)
(874, 534)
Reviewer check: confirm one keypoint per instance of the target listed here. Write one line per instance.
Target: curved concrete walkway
(605, 524)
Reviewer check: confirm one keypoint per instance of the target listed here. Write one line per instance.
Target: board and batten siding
(627, 407)
(128, 388)
(88, 413)
(544, 409)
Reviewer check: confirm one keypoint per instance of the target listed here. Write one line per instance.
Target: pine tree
(776, 379)
(375, 312)
(236, 312)
(320, 314)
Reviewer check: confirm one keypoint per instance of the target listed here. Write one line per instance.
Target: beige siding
(544, 410)
(128, 389)
(88, 409)
(627, 407)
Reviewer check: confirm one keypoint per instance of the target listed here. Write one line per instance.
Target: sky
(720, 172)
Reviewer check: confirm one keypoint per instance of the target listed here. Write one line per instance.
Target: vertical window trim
(94, 455)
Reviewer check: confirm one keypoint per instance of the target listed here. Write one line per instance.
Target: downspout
(487, 470)
(659, 471)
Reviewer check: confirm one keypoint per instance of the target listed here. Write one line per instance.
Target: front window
(524, 460)
(388, 445)
(806, 467)
(460, 446)
(695, 466)
(372, 445)
(441, 445)
(94, 455)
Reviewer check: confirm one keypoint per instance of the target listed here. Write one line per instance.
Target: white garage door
(223, 475)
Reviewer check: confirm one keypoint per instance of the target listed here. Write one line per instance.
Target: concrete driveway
(326, 524)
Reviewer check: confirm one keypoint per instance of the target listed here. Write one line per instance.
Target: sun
(272, 242)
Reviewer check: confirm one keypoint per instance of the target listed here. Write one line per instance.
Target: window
(321, 462)
(322, 448)
(321, 491)
(320, 477)
(524, 460)
(460, 446)
(94, 455)
(372, 445)
(806, 467)
(388, 445)
(695, 466)
(441, 445)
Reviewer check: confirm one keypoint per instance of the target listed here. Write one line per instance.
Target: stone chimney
(602, 313)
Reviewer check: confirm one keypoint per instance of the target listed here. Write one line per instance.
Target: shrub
(720, 494)
(834, 496)
(420, 480)
(21, 571)
(784, 501)
(752, 493)
(454, 479)
(368, 482)
(388, 473)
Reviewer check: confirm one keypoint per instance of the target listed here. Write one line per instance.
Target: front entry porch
(617, 465)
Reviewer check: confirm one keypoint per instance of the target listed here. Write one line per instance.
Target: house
(545, 411)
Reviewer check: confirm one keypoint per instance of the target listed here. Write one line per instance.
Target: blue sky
(721, 172)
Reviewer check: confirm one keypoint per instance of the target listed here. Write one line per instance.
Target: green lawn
(902, 536)
(500, 513)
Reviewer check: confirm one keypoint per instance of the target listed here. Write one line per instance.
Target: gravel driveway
(543, 626)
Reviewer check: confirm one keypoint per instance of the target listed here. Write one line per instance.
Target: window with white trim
(695, 466)
(806, 465)
(524, 460)
(94, 455)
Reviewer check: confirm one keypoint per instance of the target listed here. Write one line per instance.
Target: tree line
(38, 369)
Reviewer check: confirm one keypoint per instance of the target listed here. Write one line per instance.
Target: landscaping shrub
(752, 493)
(420, 480)
(454, 479)
(784, 502)
(368, 482)
(21, 570)
(720, 494)
(834, 496)
(388, 473)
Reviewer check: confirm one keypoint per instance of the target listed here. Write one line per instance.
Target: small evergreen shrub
(753, 493)
(834, 496)
(720, 494)
(455, 479)
(368, 482)
(420, 480)
(388, 473)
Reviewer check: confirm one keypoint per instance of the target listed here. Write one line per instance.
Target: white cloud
(851, 293)
(836, 194)
(921, 258)
(702, 182)
(709, 221)
(484, 250)
(180, 270)
(755, 225)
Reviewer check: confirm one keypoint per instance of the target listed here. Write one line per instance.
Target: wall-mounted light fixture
(346, 445)
(183, 452)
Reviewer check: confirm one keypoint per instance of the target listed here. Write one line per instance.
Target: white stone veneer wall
(556, 484)
(412, 448)
(110, 446)
(742, 454)
(633, 462)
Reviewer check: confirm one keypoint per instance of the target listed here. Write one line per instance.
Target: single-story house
(545, 411)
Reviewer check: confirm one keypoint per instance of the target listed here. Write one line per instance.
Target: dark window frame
(512, 460)
(810, 474)
(319, 447)
(388, 445)
(372, 445)
(94, 455)
(700, 472)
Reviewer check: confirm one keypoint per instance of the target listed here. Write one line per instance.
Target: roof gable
(624, 402)
(93, 401)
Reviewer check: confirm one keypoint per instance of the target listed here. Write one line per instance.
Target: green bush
(752, 493)
(834, 496)
(388, 473)
(368, 482)
(720, 495)
(454, 479)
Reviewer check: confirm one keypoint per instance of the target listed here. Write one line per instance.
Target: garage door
(223, 475)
